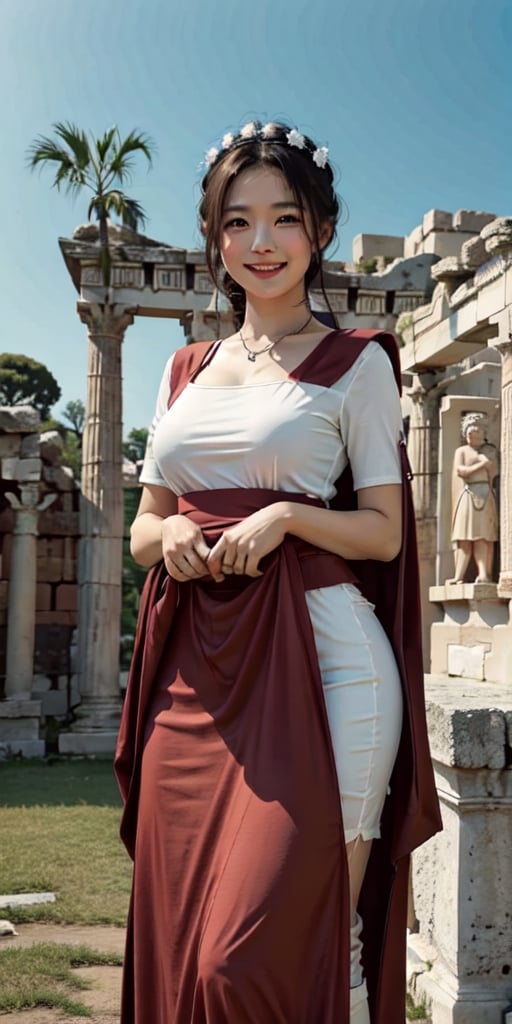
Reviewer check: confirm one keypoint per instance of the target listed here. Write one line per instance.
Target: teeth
(266, 266)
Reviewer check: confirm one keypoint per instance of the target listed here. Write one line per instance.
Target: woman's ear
(203, 228)
(325, 235)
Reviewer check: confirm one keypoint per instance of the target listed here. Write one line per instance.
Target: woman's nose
(263, 241)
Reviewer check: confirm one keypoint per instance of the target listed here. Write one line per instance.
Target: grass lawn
(59, 823)
(42, 976)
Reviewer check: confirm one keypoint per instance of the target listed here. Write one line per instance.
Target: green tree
(74, 413)
(101, 166)
(24, 381)
(135, 444)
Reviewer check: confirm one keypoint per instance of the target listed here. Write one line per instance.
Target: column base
(449, 1003)
(95, 729)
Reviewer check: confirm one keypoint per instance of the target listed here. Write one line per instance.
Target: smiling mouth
(265, 269)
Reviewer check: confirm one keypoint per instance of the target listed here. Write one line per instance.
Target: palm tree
(100, 166)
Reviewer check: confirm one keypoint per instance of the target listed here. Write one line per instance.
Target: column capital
(106, 321)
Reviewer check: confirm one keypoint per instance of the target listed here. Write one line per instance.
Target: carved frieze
(168, 278)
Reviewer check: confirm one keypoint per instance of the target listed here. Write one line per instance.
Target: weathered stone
(19, 419)
(10, 444)
(59, 524)
(467, 662)
(498, 236)
(473, 253)
(60, 477)
(471, 220)
(448, 269)
(51, 446)
(66, 597)
(54, 703)
(26, 899)
(41, 684)
(437, 220)
(87, 742)
(30, 446)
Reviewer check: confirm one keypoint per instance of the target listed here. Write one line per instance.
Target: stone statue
(475, 515)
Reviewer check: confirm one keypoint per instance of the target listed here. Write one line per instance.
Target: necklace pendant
(251, 357)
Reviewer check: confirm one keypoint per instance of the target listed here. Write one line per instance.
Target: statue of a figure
(475, 514)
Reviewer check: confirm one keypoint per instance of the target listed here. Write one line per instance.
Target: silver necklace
(252, 353)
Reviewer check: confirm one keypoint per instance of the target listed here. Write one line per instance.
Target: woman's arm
(156, 504)
(374, 530)
(158, 531)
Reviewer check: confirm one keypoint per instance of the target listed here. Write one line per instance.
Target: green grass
(59, 823)
(42, 976)
(413, 1012)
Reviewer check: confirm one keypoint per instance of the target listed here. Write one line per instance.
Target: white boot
(359, 1013)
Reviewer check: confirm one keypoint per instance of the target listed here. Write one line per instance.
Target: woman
(475, 515)
(265, 707)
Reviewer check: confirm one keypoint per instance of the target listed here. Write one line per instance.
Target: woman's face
(264, 245)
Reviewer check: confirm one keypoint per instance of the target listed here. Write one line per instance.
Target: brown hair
(312, 188)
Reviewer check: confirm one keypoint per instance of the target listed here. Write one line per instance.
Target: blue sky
(413, 98)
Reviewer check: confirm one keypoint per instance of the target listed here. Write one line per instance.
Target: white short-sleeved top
(285, 435)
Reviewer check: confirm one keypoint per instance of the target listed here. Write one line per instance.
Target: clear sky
(413, 98)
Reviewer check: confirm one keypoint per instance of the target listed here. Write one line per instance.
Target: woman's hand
(241, 547)
(185, 551)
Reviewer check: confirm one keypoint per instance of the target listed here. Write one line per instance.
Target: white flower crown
(252, 130)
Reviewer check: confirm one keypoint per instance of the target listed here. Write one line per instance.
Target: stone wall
(39, 527)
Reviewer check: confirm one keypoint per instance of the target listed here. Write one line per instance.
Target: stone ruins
(446, 290)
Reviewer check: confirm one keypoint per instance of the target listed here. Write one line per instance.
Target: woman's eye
(236, 222)
(289, 218)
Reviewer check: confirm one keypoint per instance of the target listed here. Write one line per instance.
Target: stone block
(413, 243)
(473, 253)
(14, 729)
(26, 899)
(498, 236)
(59, 524)
(52, 647)
(19, 419)
(4, 594)
(25, 747)
(445, 243)
(87, 743)
(59, 477)
(50, 547)
(24, 470)
(66, 597)
(471, 220)
(52, 446)
(467, 662)
(55, 703)
(41, 684)
(437, 220)
(57, 618)
(43, 597)
(20, 707)
(10, 444)
(49, 570)
(8, 467)
(30, 446)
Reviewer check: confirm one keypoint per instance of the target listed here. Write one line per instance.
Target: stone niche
(452, 409)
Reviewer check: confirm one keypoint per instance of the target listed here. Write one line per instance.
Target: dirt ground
(104, 995)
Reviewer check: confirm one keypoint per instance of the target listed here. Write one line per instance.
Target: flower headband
(265, 133)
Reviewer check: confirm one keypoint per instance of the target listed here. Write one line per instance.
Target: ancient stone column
(101, 532)
(423, 451)
(22, 590)
(505, 577)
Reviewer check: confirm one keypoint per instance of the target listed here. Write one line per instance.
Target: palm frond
(103, 145)
(76, 140)
(122, 162)
(133, 214)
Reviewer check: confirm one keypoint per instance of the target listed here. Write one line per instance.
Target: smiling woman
(272, 698)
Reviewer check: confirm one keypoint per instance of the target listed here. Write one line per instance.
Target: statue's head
(473, 427)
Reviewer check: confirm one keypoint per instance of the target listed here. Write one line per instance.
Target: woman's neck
(271, 320)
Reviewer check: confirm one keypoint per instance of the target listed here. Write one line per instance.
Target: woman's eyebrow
(274, 206)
